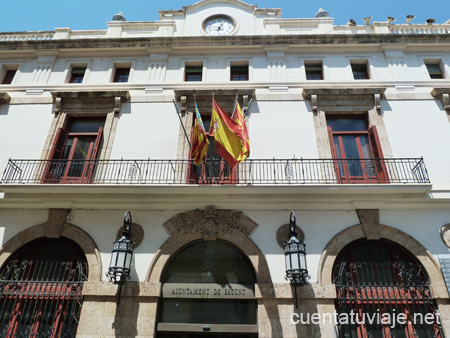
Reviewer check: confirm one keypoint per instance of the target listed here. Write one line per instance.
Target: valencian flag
(238, 116)
(228, 135)
(200, 141)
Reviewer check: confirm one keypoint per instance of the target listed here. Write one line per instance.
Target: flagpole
(234, 108)
(182, 125)
(248, 107)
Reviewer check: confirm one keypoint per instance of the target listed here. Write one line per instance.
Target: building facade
(349, 127)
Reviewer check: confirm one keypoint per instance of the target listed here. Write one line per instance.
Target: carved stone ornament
(210, 222)
(183, 105)
(314, 105)
(57, 105)
(117, 104)
(443, 94)
(445, 235)
(377, 99)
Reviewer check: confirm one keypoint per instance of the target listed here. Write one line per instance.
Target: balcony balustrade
(216, 172)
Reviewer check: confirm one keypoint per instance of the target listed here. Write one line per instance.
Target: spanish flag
(228, 135)
(200, 140)
(238, 116)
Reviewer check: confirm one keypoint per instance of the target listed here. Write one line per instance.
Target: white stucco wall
(420, 128)
(282, 130)
(319, 228)
(23, 130)
(147, 130)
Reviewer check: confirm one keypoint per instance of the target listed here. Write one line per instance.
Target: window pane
(360, 71)
(77, 75)
(314, 72)
(86, 126)
(210, 262)
(351, 154)
(239, 73)
(347, 124)
(435, 71)
(121, 74)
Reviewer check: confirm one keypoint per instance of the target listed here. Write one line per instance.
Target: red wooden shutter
(94, 153)
(53, 168)
(334, 155)
(378, 155)
(97, 144)
(58, 146)
(330, 136)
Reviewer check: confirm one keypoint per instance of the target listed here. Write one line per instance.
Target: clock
(219, 25)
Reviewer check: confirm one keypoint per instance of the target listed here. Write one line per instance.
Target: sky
(46, 15)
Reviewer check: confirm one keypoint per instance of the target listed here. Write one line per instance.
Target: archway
(41, 289)
(208, 289)
(383, 290)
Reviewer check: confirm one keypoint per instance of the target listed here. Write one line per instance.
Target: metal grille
(387, 291)
(213, 171)
(41, 291)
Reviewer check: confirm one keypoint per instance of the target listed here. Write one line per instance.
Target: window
(193, 72)
(379, 278)
(213, 170)
(121, 74)
(41, 290)
(203, 281)
(356, 150)
(313, 70)
(434, 69)
(72, 158)
(360, 71)
(77, 74)
(9, 76)
(239, 72)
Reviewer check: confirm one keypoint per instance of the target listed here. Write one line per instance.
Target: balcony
(215, 172)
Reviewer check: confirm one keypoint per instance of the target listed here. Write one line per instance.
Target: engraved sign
(226, 291)
(445, 267)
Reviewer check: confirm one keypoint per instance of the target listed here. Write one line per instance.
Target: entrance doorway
(208, 292)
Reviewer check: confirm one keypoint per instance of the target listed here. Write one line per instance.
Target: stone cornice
(344, 40)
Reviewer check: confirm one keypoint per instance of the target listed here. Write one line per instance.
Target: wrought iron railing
(249, 172)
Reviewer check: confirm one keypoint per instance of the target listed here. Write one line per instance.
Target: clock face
(219, 25)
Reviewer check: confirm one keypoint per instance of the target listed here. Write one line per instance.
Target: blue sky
(26, 15)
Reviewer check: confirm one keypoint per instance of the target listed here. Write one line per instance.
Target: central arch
(218, 228)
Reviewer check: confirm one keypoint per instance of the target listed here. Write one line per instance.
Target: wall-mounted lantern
(295, 255)
(122, 256)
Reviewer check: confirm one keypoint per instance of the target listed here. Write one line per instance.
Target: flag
(227, 136)
(200, 140)
(238, 116)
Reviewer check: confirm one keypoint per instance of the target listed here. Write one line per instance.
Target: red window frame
(373, 170)
(60, 170)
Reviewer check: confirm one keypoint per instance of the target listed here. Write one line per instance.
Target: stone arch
(67, 230)
(371, 229)
(210, 224)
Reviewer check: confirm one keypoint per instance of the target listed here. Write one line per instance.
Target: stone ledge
(284, 290)
(129, 289)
